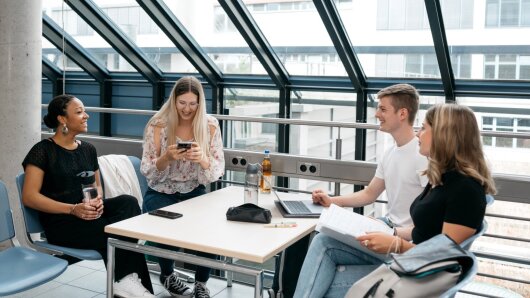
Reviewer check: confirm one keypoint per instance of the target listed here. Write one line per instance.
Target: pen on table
(281, 225)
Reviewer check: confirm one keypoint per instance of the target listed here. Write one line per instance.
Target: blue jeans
(325, 271)
(155, 200)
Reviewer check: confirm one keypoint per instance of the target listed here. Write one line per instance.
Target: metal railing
(339, 125)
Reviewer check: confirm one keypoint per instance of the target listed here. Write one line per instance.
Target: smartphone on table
(184, 145)
(165, 214)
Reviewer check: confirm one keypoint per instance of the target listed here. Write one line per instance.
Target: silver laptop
(298, 208)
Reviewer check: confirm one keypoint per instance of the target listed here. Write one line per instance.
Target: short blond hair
(403, 96)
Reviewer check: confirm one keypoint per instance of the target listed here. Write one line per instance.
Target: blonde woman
(453, 203)
(177, 174)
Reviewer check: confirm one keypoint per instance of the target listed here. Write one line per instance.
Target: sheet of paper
(345, 226)
(348, 222)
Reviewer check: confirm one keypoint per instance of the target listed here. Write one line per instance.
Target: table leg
(229, 274)
(258, 289)
(110, 269)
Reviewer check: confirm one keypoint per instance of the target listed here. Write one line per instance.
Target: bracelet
(398, 245)
(72, 210)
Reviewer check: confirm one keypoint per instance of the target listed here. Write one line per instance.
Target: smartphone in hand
(184, 145)
(165, 214)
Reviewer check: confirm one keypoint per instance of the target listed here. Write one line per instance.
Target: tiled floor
(88, 279)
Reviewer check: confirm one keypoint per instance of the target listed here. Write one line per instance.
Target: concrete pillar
(20, 90)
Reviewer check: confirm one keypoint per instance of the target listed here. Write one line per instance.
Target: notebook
(298, 208)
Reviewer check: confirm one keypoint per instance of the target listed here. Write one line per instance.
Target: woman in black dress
(52, 186)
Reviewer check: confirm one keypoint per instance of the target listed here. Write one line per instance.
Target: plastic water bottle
(88, 185)
(252, 183)
(266, 177)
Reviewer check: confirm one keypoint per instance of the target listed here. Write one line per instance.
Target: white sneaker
(131, 287)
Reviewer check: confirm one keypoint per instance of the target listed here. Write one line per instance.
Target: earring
(64, 130)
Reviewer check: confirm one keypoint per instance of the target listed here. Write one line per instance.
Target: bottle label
(266, 183)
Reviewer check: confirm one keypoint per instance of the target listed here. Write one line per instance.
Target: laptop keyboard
(296, 207)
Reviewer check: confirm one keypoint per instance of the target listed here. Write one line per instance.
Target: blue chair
(22, 268)
(136, 162)
(467, 278)
(33, 225)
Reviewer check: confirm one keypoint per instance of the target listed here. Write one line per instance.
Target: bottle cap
(266, 151)
(252, 168)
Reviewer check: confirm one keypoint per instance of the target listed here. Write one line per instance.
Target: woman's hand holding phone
(175, 153)
(194, 153)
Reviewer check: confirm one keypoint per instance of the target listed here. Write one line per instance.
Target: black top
(61, 168)
(460, 200)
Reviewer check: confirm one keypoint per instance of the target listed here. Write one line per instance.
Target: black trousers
(90, 234)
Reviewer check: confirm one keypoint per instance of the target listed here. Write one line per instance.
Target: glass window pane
(525, 13)
(523, 123)
(509, 12)
(143, 31)
(257, 103)
(392, 38)
(50, 52)
(487, 120)
(504, 122)
(213, 30)
(486, 48)
(318, 140)
(92, 42)
(492, 13)
(505, 155)
(287, 31)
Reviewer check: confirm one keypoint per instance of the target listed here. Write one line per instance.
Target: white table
(203, 227)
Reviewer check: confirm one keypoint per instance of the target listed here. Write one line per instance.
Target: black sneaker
(176, 287)
(201, 291)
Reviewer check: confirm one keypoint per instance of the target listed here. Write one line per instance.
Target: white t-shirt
(401, 169)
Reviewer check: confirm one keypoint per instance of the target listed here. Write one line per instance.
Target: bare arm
(32, 197)
(357, 199)
(383, 243)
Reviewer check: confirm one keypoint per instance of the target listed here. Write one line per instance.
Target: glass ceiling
(301, 53)
(210, 26)
(143, 31)
(85, 35)
(481, 47)
(392, 39)
(52, 53)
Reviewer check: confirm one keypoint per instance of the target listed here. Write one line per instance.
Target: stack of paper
(345, 226)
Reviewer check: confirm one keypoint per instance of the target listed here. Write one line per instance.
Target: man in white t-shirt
(398, 172)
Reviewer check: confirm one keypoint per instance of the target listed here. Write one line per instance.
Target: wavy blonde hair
(168, 117)
(456, 145)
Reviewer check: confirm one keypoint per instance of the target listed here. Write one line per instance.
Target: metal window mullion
(102, 24)
(52, 32)
(176, 32)
(341, 41)
(249, 30)
(434, 12)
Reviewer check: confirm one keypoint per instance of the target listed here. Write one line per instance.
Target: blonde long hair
(168, 117)
(456, 145)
